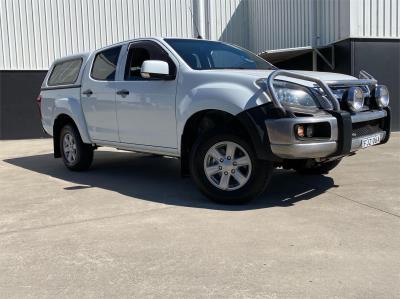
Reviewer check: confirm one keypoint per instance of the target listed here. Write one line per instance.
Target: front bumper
(284, 143)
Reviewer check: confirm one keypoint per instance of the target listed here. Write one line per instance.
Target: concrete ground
(131, 227)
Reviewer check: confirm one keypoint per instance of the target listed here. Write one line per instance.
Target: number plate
(366, 142)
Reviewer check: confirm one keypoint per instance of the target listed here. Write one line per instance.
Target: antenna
(195, 23)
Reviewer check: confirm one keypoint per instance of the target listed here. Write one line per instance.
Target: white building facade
(33, 33)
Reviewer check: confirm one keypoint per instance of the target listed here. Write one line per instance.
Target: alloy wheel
(69, 148)
(227, 166)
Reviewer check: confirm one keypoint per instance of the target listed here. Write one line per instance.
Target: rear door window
(105, 64)
(65, 72)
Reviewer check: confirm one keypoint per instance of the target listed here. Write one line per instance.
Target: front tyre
(226, 169)
(76, 155)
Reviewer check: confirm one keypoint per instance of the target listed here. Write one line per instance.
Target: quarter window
(105, 64)
(65, 72)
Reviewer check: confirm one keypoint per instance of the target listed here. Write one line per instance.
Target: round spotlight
(382, 96)
(355, 99)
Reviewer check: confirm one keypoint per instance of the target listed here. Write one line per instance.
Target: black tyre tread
(261, 173)
(322, 168)
(85, 151)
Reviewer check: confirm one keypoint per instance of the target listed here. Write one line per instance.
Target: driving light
(355, 99)
(382, 96)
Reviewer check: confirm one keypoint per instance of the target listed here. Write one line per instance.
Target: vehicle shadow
(158, 179)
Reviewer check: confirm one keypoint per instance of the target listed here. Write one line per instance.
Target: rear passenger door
(98, 95)
(146, 106)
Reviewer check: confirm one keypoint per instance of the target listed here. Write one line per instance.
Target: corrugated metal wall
(280, 24)
(332, 21)
(297, 23)
(228, 21)
(276, 24)
(376, 18)
(35, 32)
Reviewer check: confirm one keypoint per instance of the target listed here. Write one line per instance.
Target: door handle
(123, 92)
(88, 92)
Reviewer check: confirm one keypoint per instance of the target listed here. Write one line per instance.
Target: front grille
(367, 128)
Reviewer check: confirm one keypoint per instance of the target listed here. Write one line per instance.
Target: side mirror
(154, 69)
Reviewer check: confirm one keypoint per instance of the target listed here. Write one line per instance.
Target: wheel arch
(60, 121)
(249, 124)
(203, 121)
(71, 107)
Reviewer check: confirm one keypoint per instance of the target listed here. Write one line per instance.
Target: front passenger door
(146, 106)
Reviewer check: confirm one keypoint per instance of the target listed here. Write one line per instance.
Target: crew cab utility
(228, 115)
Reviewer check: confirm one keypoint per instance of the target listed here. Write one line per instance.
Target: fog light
(355, 99)
(382, 96)
(310, 131)
(300, 131)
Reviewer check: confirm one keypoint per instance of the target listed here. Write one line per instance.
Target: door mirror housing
(155, 69)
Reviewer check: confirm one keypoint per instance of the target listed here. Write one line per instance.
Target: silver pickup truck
(228, 115)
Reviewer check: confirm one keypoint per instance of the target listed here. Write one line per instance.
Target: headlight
(382, 96)
(355, 99)
(294, 95)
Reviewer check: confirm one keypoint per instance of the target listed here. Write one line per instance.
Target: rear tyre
(76, 155)
(322, 168)
(226, 169)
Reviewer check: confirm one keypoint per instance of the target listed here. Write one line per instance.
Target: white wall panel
(276, 24)
(333, 21)
(296, 23)
(35, 32)
(376, 18)
(228, 21)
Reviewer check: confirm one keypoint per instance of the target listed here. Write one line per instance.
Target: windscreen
(208, 55)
